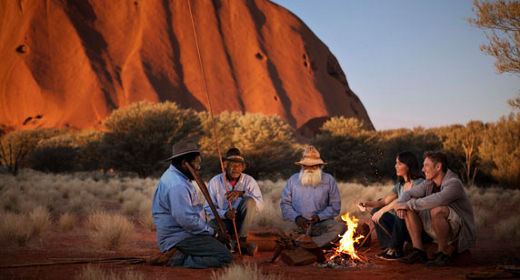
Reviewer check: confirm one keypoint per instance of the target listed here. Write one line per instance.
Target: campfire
(344, 252)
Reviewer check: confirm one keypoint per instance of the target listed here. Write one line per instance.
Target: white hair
(310, 177)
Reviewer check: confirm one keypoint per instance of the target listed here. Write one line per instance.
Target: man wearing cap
(311, 200)
(243, 193)
(178, 215)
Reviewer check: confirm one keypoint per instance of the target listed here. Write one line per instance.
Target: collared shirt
(177, 210)
(307, 201)
(217, 190)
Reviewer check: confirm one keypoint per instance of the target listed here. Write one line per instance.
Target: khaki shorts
(454, 221)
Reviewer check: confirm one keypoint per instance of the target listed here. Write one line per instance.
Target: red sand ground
(77, 245)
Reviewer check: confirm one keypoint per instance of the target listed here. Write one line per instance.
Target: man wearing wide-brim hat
(177, 210)
(243, 193)
(311, 200)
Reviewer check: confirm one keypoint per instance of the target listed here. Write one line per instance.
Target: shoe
(439, 259)
(391, 255)
(416, 256)
(380, 255)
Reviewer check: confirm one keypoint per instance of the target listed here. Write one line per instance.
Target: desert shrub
(507, 229)
(88, 143)
(244, 271)
(140, 136)
(347, 149)
(17, 146)
(392, 142)
(91, 272)
(55, 154)
(500, 148)
(110, 231)
(21, 228)
(67, 222)
(267, 143)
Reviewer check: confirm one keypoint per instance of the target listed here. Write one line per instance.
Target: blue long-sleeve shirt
(307, 201)
(217, 190)
(177, 210)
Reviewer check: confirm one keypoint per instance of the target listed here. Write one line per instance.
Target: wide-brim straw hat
(311, 157)
(183, 147)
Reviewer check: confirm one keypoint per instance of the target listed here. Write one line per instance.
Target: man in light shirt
(244, 195)
(177, 210)
(311, 199)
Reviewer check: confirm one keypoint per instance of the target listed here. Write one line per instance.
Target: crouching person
(311, 200)
(178, 215)
(440, 207)
(244, 195)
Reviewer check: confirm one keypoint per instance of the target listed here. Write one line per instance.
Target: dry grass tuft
(508, 229)
(40, 220)
(111, 231)
(95, 273)
(244, 271)
(21, 228)
(67, 222)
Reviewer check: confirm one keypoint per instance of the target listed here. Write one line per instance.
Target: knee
(440, 212)
(249, 203)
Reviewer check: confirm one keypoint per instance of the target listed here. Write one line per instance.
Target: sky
(412, 63)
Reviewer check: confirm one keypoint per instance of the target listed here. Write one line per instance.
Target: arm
(184, 213)
(452, 191)
(418, 190)
(332, 210)
(253, 190)
(288, 211)
(380, 203)
(213, 187)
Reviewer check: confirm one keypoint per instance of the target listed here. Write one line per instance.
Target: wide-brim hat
(310, 157)
(183, 147)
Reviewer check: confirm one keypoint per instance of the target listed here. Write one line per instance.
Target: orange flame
(346, 244)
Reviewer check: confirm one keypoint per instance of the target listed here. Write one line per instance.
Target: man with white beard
(311, 200)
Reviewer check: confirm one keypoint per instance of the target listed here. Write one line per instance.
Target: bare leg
(414, 226)
(440, 225)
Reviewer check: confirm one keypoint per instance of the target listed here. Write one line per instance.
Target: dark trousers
(394, 225)
(246, 211)
(201, 251)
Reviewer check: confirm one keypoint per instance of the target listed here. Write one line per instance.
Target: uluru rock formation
(70, 63)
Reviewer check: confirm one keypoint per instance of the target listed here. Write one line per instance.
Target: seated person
(409, 174)
(311, 199)
(440, 207)
(177, 210)
(244, 195)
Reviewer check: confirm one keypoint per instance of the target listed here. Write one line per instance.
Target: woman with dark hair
(409, 174)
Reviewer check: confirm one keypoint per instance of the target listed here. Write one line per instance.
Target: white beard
(310, 177)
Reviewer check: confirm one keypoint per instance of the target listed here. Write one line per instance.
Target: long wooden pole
(205, 192)
(213, 120)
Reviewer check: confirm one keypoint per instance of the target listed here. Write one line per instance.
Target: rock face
(70, 63)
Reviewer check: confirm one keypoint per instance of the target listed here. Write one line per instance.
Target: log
(298, 256)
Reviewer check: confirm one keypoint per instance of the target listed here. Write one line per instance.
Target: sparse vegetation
(92, 272)
(244, 271)
(111, 231)
(67, 222)
(21, 228)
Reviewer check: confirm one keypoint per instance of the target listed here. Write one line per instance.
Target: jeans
(396, 227)
(201, 251)
(246, 212)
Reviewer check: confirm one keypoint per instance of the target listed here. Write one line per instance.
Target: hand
(230, 214)
(315, 219)
(302, 222)
(401, 214)
(377, 216)
(362, 206)
(223, 237)
(233, 195)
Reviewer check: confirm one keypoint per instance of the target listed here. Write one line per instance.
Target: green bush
(500, 149)
(267, 142)
(17, 146)
(140, 136)
(55, 154)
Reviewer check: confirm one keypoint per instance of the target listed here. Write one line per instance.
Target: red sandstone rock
(72, 62)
